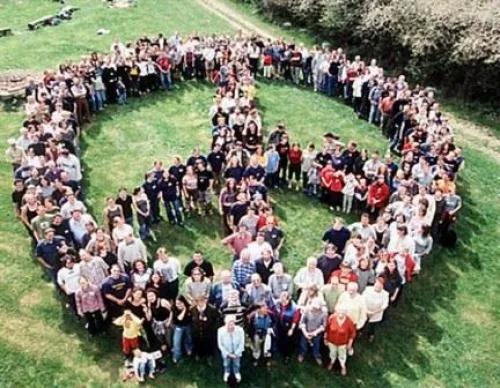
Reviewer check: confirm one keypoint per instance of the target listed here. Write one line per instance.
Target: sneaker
(300, 358)
(290, 185)
(319, 361)
(237, 376)
(225, 377)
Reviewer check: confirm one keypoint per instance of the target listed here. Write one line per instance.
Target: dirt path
(467, 133)
(234, 18)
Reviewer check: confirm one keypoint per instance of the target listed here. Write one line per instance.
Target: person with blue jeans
(182, 329)
(231, 343)
(143, 364)
(312, 325)
(375, 96)
(171, 196)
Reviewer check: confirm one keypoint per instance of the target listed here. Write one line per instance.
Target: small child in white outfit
(312, 181)
(350, 185)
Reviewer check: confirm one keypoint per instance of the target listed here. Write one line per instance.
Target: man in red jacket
(378, 195)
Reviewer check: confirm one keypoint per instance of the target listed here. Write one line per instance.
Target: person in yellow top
(132, 327)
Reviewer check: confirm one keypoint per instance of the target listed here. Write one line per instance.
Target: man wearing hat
(231, 343)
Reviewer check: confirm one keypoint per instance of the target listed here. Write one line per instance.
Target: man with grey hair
(231, 343)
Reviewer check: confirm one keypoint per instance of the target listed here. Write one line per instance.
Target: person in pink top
(89, 304)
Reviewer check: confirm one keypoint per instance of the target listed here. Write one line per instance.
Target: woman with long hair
(226, 198)
(181, 319)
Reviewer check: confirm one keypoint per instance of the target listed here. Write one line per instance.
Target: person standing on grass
(169, 269)
(339, 336)
(171, 196)
(312, 325)
(287, 317)
(124, 199)
(182, 337)
(110, 212)
(90, 305)
(205, 184)
(231, 343)
(238, 241)
(116, 289)
(47, 253)
(68, 279)
(129, 251)
(377, 301)
(142, 207)
(205, 322)
(132, 327)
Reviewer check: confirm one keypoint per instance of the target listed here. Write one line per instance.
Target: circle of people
(104, 273)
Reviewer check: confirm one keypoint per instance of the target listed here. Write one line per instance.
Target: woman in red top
(378, 195)
(294, 166)
(326, 176)
(336, 186)
(339, 336)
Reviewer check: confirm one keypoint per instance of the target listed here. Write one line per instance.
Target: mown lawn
(445, 333)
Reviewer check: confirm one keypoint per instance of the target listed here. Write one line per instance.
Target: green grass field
(444, 334)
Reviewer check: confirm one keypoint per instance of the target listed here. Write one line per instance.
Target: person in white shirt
(231, 343)
(71, 164)
(257, 247)
(71, 204)
(355, 306)
(169, 269)
(363, 228)
(120, 230)
(309, 276)
(77, 225)
(377, 301)
(68, 279)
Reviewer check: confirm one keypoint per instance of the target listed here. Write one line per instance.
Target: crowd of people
(104, 271)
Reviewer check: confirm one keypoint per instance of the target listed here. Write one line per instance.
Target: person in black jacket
(205, 321)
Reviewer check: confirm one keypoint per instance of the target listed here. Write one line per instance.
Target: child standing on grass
(350, 186)
(312, 180)
(132, 327)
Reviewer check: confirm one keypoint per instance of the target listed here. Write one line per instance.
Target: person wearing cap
(312, 325)
(339, 336)
(231, 343)
(14, 154)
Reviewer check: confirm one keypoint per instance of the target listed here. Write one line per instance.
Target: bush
(452, 44)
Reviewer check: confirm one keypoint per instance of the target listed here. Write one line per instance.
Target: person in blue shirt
(47, 253)
(273, 162)
(261, 333)
(231, 343)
